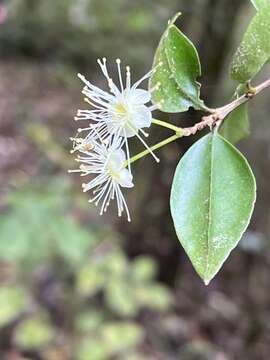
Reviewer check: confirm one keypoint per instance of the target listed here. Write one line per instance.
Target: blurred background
(77, 286)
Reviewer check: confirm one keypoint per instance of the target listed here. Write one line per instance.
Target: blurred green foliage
(71, 30)
(101, 291)
(48, 232)
(33, 333)
(12, 302)
(42, 45)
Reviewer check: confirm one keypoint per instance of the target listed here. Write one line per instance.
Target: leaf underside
(212, 199)
(178, 90)
(254, 50)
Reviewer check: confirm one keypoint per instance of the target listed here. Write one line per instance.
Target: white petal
(129, 131)
(116, 160)
(141, 117)
(125, 179)
(139, 96)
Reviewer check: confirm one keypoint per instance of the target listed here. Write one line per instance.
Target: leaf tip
(173, 20)
(207, 281)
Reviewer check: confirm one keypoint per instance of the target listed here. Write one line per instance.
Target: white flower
(107, 164)
(122, 113)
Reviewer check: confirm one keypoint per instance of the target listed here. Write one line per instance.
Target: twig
(219, 114)
(214, 119)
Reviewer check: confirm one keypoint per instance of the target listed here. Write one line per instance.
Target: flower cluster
(114, 117)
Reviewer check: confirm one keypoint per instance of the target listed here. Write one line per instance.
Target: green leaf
(177, 66)
(259, 3)
(121, 336)
(89, 320)
(92, 349)
(120, 297)
(212, 199)
(90, 280)
(34, 333)
(143, 269)
(13, 301)
(156, 297)
(236, 126)
(254, 50)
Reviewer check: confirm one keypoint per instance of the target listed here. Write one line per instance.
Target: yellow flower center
(121, 109)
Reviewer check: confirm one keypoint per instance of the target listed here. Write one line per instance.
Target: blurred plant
(79, 273)
(127, 286)
(49, 232)
(73, 29)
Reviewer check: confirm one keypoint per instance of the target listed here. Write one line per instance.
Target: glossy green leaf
(236, 126)
(212, 199)
(259, 3)
(177, 66)
(254, 50)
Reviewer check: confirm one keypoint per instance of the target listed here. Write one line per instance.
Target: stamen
(128, 78)
(74, 171)
(144, 133)
(148, 148)
(118, 62)
(84, 129)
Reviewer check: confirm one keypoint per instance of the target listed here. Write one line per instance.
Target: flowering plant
(214, 190)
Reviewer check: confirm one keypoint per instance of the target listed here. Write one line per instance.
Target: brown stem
(221, 113)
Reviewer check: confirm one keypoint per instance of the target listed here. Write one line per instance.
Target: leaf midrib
(210, 205)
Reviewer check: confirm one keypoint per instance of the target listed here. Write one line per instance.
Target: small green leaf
(121, 336)
(90, 280)
(236, 126)
(89, 320)
(254, 50)
(34, 333)
(92, 348)
(177, 66)
(13, 301)
(212, 199)
(120, 297)
(143, 269)
(155, 297)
